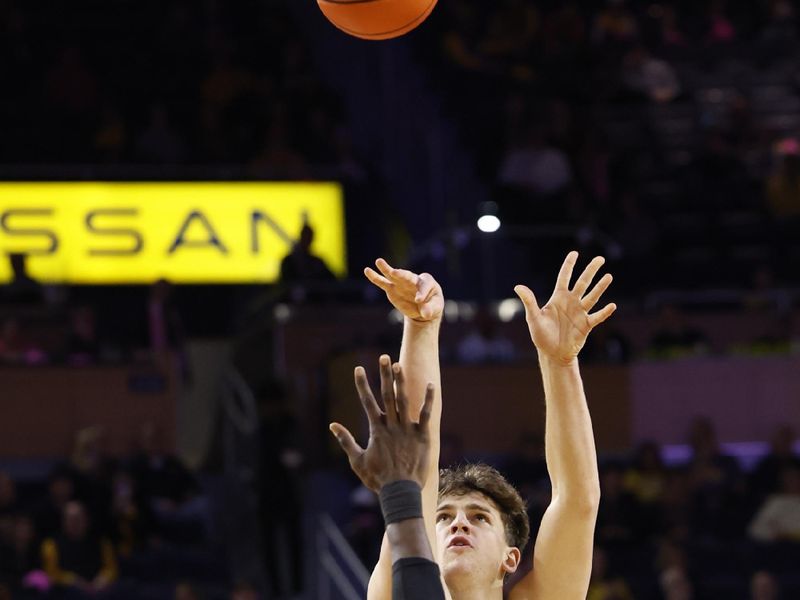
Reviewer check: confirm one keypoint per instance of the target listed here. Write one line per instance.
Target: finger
(387, 388)
(371, 407)
(528, 300)
(346, 441)
(588, 275)
(601, 315)
(593, 297)
(426, 287)
(400, 394)
(427, 408)
(378, 280)
(384, 267)
(565, 274)
(396, 276)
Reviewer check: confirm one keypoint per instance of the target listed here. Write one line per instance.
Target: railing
(341, 569)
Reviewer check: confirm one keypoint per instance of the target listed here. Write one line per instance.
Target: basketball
(376, 19)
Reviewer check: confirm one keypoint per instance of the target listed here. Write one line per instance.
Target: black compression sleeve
(416, 579)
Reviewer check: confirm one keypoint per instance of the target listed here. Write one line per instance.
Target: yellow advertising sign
(208, 232)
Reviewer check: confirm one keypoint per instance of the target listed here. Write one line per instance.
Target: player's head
(481, 526)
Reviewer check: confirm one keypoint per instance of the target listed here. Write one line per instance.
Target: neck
(473, 592)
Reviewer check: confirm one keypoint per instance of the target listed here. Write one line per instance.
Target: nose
(460, 523)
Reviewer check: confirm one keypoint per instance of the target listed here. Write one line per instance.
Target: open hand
(398, 448)
(559, 329)
(418, 297)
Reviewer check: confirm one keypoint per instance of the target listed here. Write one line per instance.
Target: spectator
(676, 585)
(619, 517)
(19, 557)
(676, 337)
(280, 489)
(9, 503)
(187, 591)
(130, 518)
(91, 468)
(168, 488)
(484, 343)
(649, 78)
(244, 591)
(603, 586)
(783, 185)
(615, 24)
(764, 586)
(23, 289)
(717, 484)
(535, 166)
(82, 346)
(778, 519)
(527, 470)
(111, 137)
(720, 27)
(76, 559)
(301, 267)
(765, 477)
(671, 33)
(159, 143)
(49, 513)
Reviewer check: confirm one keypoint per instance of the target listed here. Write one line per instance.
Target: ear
(511, 560)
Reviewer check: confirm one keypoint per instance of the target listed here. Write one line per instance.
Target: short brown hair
(486, 480)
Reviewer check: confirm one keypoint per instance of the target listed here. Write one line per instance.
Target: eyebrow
(471, 506)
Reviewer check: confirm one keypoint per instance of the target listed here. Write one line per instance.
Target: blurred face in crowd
(61, 490)
(184, 591)
(24, 532)
(8, 491)
(763, 586)
(76, 522)
(790, 479)
(472, 545)
(244, 592)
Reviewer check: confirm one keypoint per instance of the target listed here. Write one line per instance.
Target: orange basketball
(376, 19)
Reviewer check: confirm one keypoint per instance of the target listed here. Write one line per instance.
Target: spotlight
(488, 221)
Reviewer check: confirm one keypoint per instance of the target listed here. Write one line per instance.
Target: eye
(441, 517)
(482, 517)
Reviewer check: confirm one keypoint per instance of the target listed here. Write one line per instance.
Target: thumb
(346, 441)
(528, 300)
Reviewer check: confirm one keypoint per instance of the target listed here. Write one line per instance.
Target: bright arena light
(488, 223)
(508, 309)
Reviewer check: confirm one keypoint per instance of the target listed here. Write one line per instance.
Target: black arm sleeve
(416, 579)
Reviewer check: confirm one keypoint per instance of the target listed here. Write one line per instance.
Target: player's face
(471, 541)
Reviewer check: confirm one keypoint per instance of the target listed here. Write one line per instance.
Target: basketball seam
(419, 19)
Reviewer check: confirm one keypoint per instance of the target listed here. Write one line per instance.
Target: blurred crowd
(671, 126)
(703, 524)
(54, 325)
(96, 518)
(166, 83)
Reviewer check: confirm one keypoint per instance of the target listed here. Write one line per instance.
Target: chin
(454, 568)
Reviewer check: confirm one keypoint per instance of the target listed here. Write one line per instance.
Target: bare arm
(420, 299)
(562, 558)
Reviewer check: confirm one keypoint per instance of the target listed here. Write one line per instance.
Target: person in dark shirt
(300, 266)
(19, 555)
(22, 289)
(765, 478)
(8, 495)
(75, 559)
(48, 514)
(168, 488)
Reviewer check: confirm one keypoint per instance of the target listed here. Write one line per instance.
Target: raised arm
(395, 465)
(562, 558)
(419, 298)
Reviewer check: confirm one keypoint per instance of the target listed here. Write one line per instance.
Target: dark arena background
(172, 349)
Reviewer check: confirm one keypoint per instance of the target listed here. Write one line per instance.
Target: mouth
(459, 542)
